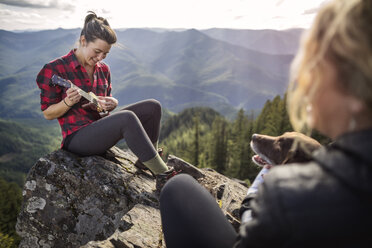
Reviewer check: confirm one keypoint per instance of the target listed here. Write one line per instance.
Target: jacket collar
(71, 59)
(357, 143)
(349, 158)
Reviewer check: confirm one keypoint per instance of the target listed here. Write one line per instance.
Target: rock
(181, 165)
(137, 230)
(103, 201)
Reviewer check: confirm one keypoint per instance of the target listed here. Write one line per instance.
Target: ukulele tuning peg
(53, 80)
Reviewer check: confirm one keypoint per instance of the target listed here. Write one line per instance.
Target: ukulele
(91, 97)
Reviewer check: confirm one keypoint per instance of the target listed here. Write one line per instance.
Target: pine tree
(285, 124)
(273, 119)
(10, 203)
(218, 145)
(262, 118)
(237, 145)
(247, 170)
(196, 148)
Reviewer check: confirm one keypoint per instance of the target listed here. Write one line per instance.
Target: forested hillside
(10, 204)
(207, 139)
(22, 144)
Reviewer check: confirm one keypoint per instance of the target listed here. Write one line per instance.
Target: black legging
(138, 124)
(191, 217)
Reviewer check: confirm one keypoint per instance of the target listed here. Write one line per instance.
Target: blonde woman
(326, 202)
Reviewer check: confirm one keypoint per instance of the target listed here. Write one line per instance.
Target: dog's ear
(302, 150)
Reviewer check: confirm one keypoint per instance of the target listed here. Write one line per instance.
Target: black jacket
(324, 203)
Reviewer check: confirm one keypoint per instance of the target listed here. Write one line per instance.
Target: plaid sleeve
(109, 87)
(49, 95)
(108, 77)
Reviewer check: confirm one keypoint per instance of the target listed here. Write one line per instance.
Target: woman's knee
(155, 105)
(127, 117)
(177, 184)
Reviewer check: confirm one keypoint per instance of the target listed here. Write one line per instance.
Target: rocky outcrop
(104, 201)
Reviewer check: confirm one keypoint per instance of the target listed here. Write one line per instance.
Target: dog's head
(291, 147)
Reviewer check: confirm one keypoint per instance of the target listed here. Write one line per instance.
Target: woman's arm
(59, 109)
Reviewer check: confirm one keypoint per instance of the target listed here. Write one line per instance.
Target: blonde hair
(342, 35)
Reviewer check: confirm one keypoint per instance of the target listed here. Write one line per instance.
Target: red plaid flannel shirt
(68, 67)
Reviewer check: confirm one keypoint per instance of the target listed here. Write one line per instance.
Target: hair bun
(91, 16)
(97, 27)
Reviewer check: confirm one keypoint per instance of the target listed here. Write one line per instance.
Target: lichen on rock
(102, 201)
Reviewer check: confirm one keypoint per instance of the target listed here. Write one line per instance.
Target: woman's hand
(108, 103)
(72, 97)
(59, 109)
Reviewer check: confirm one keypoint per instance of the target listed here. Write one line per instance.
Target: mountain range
(224, 69)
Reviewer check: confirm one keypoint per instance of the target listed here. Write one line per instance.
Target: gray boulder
(104, 201)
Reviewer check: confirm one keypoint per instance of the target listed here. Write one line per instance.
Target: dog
(291, 147)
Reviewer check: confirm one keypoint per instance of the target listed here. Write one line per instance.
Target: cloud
(278, 17)
(56, 4)
(17, 14)
(310, 11)
(20, 20)
(105, 11)
(279, 2)
(273, 14)
(315, 10)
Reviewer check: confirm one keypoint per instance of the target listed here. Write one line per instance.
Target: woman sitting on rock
(84, 130)
(323, 203)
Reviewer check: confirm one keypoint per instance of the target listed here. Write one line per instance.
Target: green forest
(198, 135)
(10, 203)
(204, 138)
(207, 139)
(23, 142)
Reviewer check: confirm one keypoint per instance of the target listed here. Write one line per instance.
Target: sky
(198, 14)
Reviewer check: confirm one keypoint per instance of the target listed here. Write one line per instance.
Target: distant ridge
(266, 40)
(219, 68)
